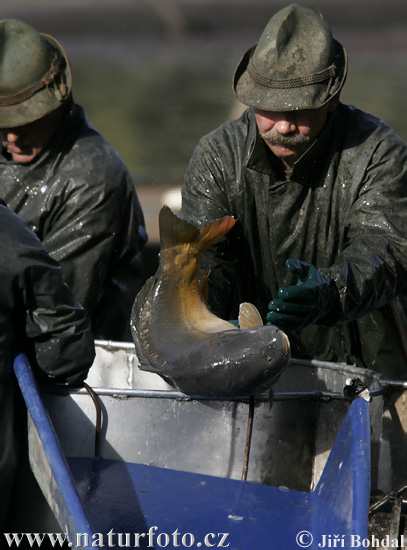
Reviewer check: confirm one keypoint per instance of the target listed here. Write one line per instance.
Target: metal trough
(309, 461)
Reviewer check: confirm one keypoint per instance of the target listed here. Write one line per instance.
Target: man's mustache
(276, 138)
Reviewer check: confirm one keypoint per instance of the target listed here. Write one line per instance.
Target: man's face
(289, 134)
(24, 143)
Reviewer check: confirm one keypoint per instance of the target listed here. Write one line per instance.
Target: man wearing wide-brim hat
(66, 181)
(319, 189)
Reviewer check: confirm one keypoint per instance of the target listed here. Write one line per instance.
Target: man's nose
(10, 135)
(285, 126)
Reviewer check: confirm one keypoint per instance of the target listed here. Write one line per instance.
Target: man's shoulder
(91, 145)
(90, 156)
(233, 129)
(364, 124)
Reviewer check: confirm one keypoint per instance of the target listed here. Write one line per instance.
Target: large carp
(177, 336)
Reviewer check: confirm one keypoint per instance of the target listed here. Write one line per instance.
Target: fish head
(259, 357)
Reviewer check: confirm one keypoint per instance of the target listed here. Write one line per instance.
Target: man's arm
(204, 199)
(371, 269)
(57, 329)
(48, 324)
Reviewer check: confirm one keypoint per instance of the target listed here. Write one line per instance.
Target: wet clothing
(78, 197)
(343, 209)
(39, 317)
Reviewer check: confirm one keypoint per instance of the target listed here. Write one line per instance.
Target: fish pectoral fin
(140, 306)
(144, 294)
(249, 316)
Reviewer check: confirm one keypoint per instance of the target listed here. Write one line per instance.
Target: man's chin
(288, 153)
(283, 152)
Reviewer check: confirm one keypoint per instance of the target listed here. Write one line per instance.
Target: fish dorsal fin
(249, 316)
(176, 231)
(140, 303)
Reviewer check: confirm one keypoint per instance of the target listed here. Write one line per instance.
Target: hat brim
(39, 104)
(313, 96)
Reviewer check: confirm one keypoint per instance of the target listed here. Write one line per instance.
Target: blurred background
(155, 75)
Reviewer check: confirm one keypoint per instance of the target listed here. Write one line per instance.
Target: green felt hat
(296, 64)
(35, 75)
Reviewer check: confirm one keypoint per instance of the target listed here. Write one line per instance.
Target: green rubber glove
(300, 305)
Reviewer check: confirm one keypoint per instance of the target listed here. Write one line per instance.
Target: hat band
(296, 82)
(46, 80)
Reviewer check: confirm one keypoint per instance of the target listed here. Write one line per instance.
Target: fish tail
(214, 230)
(176, 231)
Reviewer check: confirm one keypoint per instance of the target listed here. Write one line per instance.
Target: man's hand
(304, 303)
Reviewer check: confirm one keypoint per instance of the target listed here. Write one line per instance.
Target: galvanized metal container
(146, 421)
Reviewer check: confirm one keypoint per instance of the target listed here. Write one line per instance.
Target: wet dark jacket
(77, 196)
(38, 316)
(343, 209)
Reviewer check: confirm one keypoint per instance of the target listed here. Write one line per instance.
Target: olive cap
(296, 64)
(35, 75)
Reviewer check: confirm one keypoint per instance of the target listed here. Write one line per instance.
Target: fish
(178, 337)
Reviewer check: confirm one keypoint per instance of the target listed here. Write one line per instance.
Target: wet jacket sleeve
(371, 269)
(204, 199)
(48, 325)
(59, 341)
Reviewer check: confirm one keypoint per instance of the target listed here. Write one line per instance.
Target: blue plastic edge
(77, 517)
(344, 485)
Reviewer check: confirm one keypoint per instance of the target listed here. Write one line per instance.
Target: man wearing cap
(319, 189)
(63, 178)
